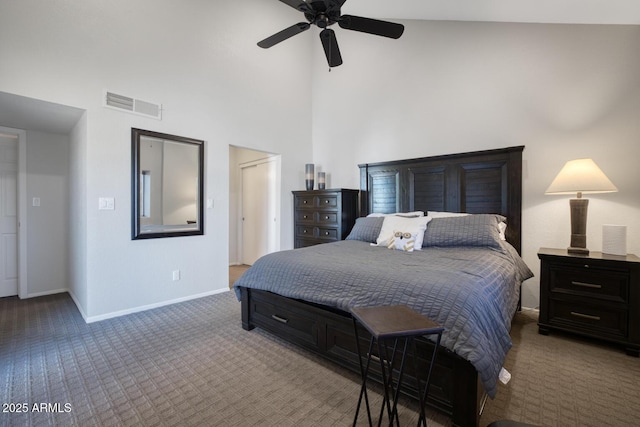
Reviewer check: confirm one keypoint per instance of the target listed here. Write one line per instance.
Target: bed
(471, 285)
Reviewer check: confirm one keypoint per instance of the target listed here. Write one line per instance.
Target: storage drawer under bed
(291, 321)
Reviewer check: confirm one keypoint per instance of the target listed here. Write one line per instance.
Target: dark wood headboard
(477, 182)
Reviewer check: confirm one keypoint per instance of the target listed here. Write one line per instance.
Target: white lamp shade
(581, 176)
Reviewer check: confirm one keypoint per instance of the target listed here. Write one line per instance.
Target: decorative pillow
(502, 225)
(366, 229)
(502, 230)
(436, 214)
(468, 230)
(392, 223)
(402, 241)
(403, 214)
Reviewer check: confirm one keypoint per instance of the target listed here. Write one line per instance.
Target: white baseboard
(150, 306)
(42, 294)
(78, 306)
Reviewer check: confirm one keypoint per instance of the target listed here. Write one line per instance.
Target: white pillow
(404, 214)
(391, 223)
(402, 241)
(502, 226)
(435, 214)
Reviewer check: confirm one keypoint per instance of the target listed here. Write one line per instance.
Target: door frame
(22, 208)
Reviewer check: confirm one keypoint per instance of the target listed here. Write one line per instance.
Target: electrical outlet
(176, 275)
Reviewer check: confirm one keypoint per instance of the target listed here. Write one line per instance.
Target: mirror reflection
(167, 182)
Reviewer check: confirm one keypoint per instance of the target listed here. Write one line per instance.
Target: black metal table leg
(364, 372)
(387, 323)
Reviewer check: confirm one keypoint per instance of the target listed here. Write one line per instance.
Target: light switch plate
(106, 203)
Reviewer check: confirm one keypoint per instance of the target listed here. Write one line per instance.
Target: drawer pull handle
(585, 316)
(326, 202)
(326, 217)
(326, 233)
(377, 359)
(304, 231)
(305, 202)
(279, 319)
(373, 357)
(586, 285)
(304, 217)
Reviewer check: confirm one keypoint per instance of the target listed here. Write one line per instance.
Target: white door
(258, 211)
(8, 215)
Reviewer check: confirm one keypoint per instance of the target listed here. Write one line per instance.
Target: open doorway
(254, 217)
(42, 131)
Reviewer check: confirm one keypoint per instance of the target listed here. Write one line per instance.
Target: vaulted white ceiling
(538, 11)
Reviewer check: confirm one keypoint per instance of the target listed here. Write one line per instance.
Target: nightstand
(595, 295)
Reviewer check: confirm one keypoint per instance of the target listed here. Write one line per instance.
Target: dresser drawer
(305, 231)
(325, 202)
(304, 243)
(312, 217)
(328, 233)
(305, 202)
(316, 201)
(327, 217)
(590, 282)
(324, 233)
(590, 318)
(305, 216)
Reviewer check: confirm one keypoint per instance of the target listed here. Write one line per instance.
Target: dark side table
(399, 325)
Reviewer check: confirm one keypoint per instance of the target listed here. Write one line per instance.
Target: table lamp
(580, 176)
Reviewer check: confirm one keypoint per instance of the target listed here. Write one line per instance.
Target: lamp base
(577, 251)
(578, 226)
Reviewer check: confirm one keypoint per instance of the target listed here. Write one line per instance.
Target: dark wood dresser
(596, 295)
(323, 216)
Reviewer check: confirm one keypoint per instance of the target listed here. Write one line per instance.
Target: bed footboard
(455, 388)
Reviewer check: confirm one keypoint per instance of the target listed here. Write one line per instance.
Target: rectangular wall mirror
(166, 185)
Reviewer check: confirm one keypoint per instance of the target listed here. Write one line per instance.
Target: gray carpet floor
(191, 364)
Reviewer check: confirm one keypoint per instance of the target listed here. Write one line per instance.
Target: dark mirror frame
(169, 231)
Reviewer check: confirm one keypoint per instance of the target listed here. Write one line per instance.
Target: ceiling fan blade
(298, 5)
(371, 26)
(284, 34)
(330, 45)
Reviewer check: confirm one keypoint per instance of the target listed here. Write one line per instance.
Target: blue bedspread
(471, 291)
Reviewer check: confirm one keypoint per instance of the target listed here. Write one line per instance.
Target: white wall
(214, 83)
(78, 285)
(48, 230)
(562, 91)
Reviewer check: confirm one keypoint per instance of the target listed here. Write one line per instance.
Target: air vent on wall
(132, 105)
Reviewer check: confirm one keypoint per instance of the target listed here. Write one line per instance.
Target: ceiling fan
(324, 13)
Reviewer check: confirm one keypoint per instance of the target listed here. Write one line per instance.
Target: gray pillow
(469, 230)
(366, 229)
